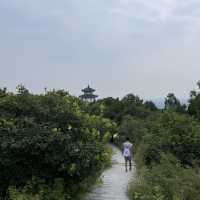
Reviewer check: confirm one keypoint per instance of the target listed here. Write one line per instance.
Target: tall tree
(173, 103)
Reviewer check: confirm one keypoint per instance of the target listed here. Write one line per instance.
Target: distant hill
(160, 102)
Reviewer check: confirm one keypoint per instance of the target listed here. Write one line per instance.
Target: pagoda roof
(88, 96)
(88, 89)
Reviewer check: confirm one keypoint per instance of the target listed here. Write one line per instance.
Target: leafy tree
(131, 98)
(150, 105)
(172, 103)
(194, 102)
(176, 134)
(48, 137)
(133, 128)
(22, 90)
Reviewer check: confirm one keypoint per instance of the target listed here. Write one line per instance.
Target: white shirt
(127, 149)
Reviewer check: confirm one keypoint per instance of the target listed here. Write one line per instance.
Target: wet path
(115, 181)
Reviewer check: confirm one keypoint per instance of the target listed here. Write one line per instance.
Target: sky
(148, 48)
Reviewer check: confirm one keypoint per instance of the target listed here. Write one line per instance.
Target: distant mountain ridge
(160, 102)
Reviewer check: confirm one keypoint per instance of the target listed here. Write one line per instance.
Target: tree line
(166, 144)
(51, 144)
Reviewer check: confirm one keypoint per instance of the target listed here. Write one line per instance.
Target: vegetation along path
(115, 180)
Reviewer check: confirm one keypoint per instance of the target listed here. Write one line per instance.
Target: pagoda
(88, 94)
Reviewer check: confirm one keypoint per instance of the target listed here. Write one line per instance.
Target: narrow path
(115, 181)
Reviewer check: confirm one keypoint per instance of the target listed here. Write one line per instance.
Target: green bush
(167, 157)
(173, 133)
(168, 180)
(48, 138)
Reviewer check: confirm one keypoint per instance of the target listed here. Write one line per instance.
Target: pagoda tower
(88, 94)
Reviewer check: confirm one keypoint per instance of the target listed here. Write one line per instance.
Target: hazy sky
(145, 47)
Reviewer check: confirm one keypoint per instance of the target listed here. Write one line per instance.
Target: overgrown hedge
(45, 138)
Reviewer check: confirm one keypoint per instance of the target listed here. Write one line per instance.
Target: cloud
(124, 38)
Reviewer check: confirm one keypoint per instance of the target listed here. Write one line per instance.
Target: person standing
(127, 153)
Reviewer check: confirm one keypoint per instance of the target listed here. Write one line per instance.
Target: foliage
(150, 105)
(168, 157)
(176, 134)
(172, 103)
(48, 137)
(116, 109)
(194, 103)
(52, 145)
(166, 146)
(133, 128)
(167, 181)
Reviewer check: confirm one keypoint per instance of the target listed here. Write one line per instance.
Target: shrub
(48, 138)
(168, 180)
(176, 134)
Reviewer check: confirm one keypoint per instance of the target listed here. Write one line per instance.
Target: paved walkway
(115, 181)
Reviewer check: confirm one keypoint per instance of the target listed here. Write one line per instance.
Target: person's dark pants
(128, 160)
